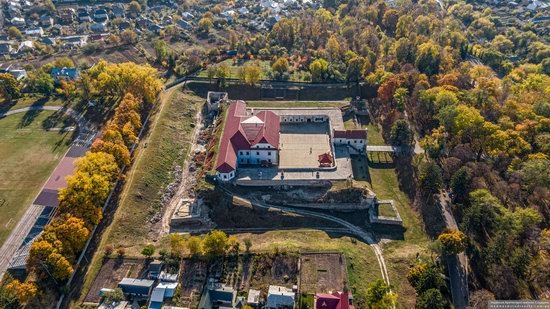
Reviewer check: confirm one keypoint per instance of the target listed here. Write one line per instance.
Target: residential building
(247, 139)
(36, 32)
(356, 139)
(218, 296)
(253, 298)
(46, 20)
(65, 73)
(279, 297)
(336, 300)
(136, 287)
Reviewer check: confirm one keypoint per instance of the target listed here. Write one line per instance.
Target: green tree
(194, 245)
(160, 50)
(401, 134)
(113, 297)
(354, 71)
(14, 33)
(460, 184)
(430, 179)
(211, 72)
(40, 81)
(431, 299)
(148, 250)
(379, 295)
(428, 58)
(9, 88)
(205, 24)
(423, 277)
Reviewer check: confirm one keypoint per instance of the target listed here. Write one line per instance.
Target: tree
(280, 67)
(25, 291)
(431, 299)
(121, 252)
(460, 183)
(379, 295)
(9, 87)
(430, 179)
(319, 70)
(401, 134)
(40, 81)
(128, 36)
(205, 24)
(160, 50)
(14, 33)
(251, 74)
(211, 72)
(223, 72)
(481, 216)
(148, 250)
(194, 245)
(354, 71)
(423, 276)
(534, 173)
(453, 241)
(134, 7)
(215, 243)
(247, 244)
(8, 297)
(45, 261)
(63, 62)
(113, 297)
(108, 251)
(390, 20)
(428, 58)
(98, 163)
(118, 150)
(71, 232)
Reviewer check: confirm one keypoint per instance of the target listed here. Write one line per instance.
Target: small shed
(137, 287)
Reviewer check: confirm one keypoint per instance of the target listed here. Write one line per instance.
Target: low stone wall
(374, 218)
(344, 207)
(282, 183)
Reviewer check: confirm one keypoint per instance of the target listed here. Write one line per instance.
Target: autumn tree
(45, 261)
(134, 7)
(379, 295)
(215, 243)
(205, 24)
(453, 241)
(211, 72)
(354, 70)
(24, 291)
(117, 149)
(424, 276)
(194, 245)
(222, 73)
(431, 299)
(9, 87)
(319, 70)
(100, 163)
(71, 232)
(280, 68)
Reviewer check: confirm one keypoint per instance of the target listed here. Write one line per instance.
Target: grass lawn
(306, 301)
(379, 175)
(165, 145)
(362, 265)
(33, 100)
(28, 154)
(385, 210)
(292, 104)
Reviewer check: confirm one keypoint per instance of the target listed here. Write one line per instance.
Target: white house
(279, 297)
(356, 139)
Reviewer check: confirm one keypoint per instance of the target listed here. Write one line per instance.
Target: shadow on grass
(30, 115)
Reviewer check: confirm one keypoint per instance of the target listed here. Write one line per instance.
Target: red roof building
(350, 134)
(336, 300)
(243, 132)
(325, 160)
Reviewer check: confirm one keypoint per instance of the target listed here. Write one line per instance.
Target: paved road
(457, 264)
(44, 198)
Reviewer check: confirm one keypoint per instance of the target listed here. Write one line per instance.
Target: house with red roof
(336, 300)
(248, 139)
(356, 139)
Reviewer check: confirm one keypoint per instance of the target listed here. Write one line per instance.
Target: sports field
(28, 154)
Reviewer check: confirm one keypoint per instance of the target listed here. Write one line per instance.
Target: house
(6, 49)
(46, 20)
(124, 25)
(118, 11)
(136, 287)
(336, 300)
(36, 32)
(25, 46)
(154, 269)
(76, 41)
(47, 41)
(98, 27)
(243, 11)
(253, 298)
(184, 25)
(187, 15)
(65, 73)
(84, 17)
(162, 291)
(218, 296)
(67, 16)
(18, 21)
(247, 139)
(357, 139)
(279, 297)
(101, 15)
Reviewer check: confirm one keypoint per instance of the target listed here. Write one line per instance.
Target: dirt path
(186, 178)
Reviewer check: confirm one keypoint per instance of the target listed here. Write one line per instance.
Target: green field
(28, 154)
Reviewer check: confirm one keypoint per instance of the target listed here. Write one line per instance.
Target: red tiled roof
(336, 300)
(238, 135)
(350, 134)
(325, 158)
